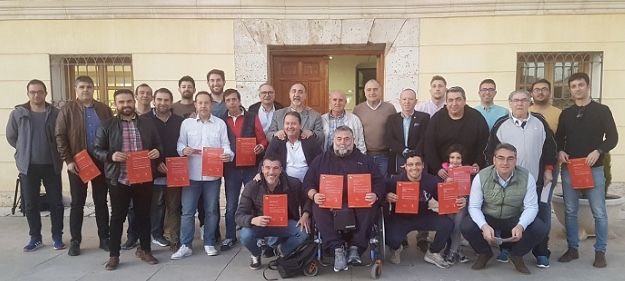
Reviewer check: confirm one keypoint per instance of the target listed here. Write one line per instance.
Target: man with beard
(185, 106)
(438, 87)
(165, 210)
(267, 106)
(216, 80)
(310, 119)
(143, 95)
(338, 117)
(117, 137)
(75, 131)
(241, 124)
(541, 103)
(342, 160)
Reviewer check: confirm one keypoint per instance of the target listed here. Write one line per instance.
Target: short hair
(579, 75)
(83, 79)
(413, 153)
(305, 90)
(271, 157)
(294, 114)
(456, 89)
(142, 85)
(36, 82)
(122, 92)
(373, 80)
(218, 72)
(164, 90)
(186, 78)
(438, 78)
(264, 84)
(540, 81)
(203, 93)
(519, 91)
(488, 81)
(343, 128)
(231, 92)
(408, 90)
(505, 146)
(458, 148)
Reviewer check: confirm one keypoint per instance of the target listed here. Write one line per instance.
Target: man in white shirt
(205, 130)
(267, 105)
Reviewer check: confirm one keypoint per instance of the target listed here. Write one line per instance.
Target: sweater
(374, 124)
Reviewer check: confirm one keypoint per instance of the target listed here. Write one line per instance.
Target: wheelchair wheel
(382, 237)
(376, 269)
(312, 268)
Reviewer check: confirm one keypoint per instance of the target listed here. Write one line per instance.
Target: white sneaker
(183, 252)
(211, 250)
(436, 259)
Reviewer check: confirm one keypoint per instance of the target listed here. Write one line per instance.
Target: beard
(187, 95)
(342, 151)
(127, 111)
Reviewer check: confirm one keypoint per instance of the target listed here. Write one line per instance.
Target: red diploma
(462, 175)
(87, 170)
(139, 167)
(332, 187)
(245, 155)
(358, 185)
(212, 166)
(447, 195)
(581, 174)
(407, 197)
(177, 171)
(276, 207)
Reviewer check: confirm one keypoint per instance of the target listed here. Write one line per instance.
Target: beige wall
(469, 49)
(162, 51)
(343, 75)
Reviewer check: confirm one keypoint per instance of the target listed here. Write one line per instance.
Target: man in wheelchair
(398, 225)
(256, 224)
(343, 160)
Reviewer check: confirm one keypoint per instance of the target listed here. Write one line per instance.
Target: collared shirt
(492, 113)
(265, 117)
(131, 141)
(406, 123)
(92, 123)
(197, 134)
(334, 123)
(520, 122)
(530, 201)
(429, 107)
(296, 165)
(234, 118)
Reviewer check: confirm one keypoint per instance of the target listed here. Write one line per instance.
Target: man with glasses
(503, 197)
(536, 152)
(267, 105)
(487, 107)
(585, 129)
(542, 103)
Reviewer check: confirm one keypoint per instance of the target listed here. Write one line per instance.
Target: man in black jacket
(115, 139)
(254, 222)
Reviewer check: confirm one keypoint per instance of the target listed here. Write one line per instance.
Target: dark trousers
(131, 232)
(141, 195)
(398, 226)
(235, 178)
(99, 191)
(157, 212)
(31, 187)
(324, 221)
(544, 213)
(173, 211)
(534, 233)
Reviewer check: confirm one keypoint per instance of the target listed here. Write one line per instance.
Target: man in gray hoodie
(30, 131)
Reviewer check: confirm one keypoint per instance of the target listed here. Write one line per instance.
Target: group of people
(514, 154)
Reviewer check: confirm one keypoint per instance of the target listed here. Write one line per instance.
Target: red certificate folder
(332, 187)
(276, 207)
(212, 166)
(139, 167)
(447, 195)
(245, 155)
(87, 169)
(177, 171)
(462, 175)
(581, 174)
(407, 197)
(358, 185)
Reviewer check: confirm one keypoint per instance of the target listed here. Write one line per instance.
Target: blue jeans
(209, 190)
(596, 198)
(291, 237)
(544, 213)
(235, 178)
(382, 162)
(31, 187)
(157, 210)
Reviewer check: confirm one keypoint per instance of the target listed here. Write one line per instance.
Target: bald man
(336, 117)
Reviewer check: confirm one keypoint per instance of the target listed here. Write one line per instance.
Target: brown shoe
(519, 264)
(600, 261)
(481, 261)
(112, 263)
(571, 254)
(146, 256)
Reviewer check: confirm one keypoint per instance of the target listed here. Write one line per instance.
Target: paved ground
(48, 264)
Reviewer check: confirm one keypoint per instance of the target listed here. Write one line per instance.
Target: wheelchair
(377, 247)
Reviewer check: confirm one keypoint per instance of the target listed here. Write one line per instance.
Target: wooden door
(312, 71)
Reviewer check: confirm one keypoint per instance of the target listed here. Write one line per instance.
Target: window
(109, 73)
(557, 67)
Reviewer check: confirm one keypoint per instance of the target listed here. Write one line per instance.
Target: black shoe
(104, 244)
(268, 252)
(227, 244)
(74, 248)
(131, 243)
(161, 241)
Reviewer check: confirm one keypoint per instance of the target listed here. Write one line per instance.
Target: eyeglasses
(540, 90)
(267, 93)
(519, 100)
(505, 159)
(488, 90)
